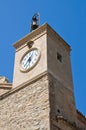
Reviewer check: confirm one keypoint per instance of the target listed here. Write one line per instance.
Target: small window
(59, 57)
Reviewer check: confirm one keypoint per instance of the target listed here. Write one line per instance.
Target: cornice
(5, 86)
(45, 28)
(17, 88)
(31, 36)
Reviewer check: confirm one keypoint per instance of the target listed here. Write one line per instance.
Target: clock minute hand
(29, 59)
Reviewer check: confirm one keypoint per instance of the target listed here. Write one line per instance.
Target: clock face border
(30, 68)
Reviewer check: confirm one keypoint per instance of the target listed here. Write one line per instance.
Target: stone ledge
(13, 90)
(31, 36)
(5, 86)
(45, 28)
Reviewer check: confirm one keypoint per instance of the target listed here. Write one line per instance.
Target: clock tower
(42, 64)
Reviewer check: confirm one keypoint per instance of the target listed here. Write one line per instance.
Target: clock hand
(29, 59)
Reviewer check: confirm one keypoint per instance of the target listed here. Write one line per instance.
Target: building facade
(41, 96)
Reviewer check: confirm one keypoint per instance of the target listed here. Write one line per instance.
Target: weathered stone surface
(26, 109)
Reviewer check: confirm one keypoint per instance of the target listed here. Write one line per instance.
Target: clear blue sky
(67, 17)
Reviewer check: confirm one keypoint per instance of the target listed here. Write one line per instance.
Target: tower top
(45, 28)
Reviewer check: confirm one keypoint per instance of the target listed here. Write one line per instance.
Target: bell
(34, 23)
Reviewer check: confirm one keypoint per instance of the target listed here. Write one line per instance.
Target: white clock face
(30, 59)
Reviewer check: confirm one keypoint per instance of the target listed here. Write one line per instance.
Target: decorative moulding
(31, 37)
(46, 28)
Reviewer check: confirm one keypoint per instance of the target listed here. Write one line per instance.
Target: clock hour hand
(29, 59)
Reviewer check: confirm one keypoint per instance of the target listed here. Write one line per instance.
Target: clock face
(30, 59)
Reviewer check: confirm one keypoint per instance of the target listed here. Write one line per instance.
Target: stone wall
(39, 105)
(27, 108)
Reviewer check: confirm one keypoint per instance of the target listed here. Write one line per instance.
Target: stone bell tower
(41, 96)
(43, 69)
